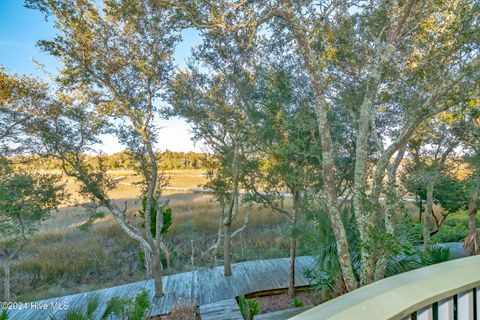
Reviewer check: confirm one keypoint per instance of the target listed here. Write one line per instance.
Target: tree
(215, 103)
(119, 56)
(433, 150)
(387, 55)
(285, 143)
(17, 95)
(472, 241)
(70, 129)
(467, 128)
(26, 199)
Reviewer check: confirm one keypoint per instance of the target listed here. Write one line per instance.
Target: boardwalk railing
(450, 290)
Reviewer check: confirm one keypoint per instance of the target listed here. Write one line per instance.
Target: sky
(21, 28)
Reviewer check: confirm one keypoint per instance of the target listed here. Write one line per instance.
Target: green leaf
(4, 315)
(167, 220)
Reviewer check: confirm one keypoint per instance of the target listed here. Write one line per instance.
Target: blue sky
(21, 28)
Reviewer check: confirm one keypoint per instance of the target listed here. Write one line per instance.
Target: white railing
(449, 290)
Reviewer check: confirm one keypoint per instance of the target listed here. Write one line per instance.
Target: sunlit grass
(62, 259)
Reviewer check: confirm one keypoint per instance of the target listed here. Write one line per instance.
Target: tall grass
(62, 259)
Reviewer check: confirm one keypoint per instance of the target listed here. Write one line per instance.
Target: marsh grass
(63, 259)
(182, 311)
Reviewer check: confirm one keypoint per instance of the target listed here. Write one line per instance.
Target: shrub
(454, 233)
(454, 229)
(416, 258)
(182, 311)
(297, 303)
(83, 314)
(128, 308)
(4, 315)
(248, 307)
(122, 307)
(434, 255)
(326, 276)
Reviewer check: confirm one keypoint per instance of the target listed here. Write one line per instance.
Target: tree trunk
(426, 229)
(6, 281)
(293, 253)
(215, 247)
(363, 212)
(157, 271)
(227, 268)
(472, 213)
(471, 243)
(232, 212)
(297, 208)
(153, 266)
(168, 260)
(328, 162)
(420, 209)
(227, 237)
(192, 256)
(392, 203)
(148, 261)
(328, 170)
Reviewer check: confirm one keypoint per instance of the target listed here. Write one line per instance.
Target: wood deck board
(197, 289)
(203, 286)
(300, 279)
(242, 279)
(246, 277)
(226, 309)
(280, 272)
(265, 279)
(282, 314)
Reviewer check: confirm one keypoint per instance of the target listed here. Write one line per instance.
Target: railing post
(478, 302)
(445, 309)
(425, 313)
(465, 305)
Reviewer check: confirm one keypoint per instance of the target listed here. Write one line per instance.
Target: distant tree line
(170, 160)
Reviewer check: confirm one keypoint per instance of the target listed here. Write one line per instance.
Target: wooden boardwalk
(199, 287)
(226, 309)
(282, 314)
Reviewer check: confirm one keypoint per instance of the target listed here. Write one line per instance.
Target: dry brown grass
(62, 259)
(182, 311)
(205, 211)
(177, 178)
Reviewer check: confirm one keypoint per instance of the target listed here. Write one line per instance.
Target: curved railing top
(399, 296)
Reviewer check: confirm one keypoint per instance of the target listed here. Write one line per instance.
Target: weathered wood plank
(221, 310)
(242, 279)
(282, 314)
(203, 286)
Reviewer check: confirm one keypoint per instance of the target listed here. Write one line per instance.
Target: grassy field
(63, 258)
